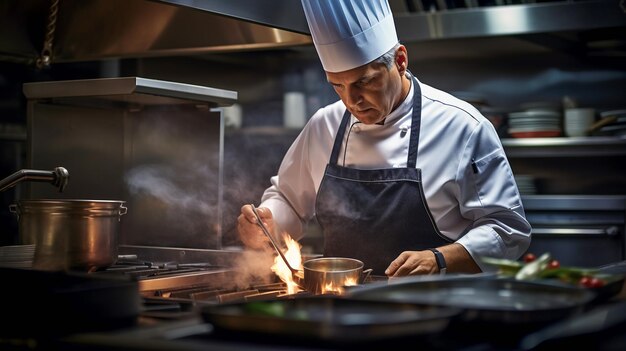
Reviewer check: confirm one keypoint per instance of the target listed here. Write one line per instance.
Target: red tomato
(529, 257)
(591, 282)
(596, 282)
(553, 264)
(585, 281)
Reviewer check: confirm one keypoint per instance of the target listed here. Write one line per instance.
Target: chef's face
(372, 91)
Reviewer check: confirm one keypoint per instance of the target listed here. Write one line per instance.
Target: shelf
(574, 202)
(128, 90)
(565, 147)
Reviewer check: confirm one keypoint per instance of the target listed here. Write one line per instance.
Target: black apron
(374, 215)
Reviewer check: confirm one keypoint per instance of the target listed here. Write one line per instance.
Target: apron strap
(334, 156)
(416, 122)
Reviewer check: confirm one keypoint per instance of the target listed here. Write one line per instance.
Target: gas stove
(202, 277)
(176, 282)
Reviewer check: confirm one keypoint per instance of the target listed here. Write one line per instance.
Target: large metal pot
(70, 234)
(332, 274)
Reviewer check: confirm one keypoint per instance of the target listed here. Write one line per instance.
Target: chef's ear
(402, 59)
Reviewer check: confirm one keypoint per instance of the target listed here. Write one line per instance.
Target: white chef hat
(350, 33)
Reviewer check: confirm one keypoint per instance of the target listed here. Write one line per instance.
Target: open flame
(332, 288)
(294, 258)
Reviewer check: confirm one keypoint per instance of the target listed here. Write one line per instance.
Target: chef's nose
(353, 97)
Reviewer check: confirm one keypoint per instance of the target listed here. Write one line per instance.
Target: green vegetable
(275, 309)
(265, 308)
(540, 268)
(506, 267)
(533, 269)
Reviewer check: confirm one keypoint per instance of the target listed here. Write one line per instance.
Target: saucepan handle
(365, 274)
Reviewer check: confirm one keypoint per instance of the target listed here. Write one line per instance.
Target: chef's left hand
(413, 263)
(458, 260)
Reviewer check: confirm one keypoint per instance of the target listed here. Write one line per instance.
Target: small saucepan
(332, 274)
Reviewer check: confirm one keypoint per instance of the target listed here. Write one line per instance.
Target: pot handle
(123, 210)
(366, 274)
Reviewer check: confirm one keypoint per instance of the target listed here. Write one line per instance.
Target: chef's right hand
(249, 231)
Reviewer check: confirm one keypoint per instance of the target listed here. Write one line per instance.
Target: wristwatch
(441, 261)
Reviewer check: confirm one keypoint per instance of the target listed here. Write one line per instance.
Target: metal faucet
(58, 177)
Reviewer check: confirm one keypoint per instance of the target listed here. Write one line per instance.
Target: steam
(176, 204)
(343, 205)
(158, 181)
(173, 179)
(253, 267)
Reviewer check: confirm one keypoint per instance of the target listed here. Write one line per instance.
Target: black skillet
(494, 300)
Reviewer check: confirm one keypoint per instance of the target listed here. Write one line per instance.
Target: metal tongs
(294, 272)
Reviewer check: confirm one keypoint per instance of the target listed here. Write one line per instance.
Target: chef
(400, 175)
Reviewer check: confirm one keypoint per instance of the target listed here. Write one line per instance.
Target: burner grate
(220, 295)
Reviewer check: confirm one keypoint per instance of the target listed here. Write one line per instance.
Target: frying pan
(492, 300)
(44, 303)
(328, 318)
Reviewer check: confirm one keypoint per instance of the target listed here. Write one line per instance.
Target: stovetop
(180, 307)
(174, 286)
(155, 276)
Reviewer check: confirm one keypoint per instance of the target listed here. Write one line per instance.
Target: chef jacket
(467, 180)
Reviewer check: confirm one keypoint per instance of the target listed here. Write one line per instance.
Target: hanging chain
(45, 58)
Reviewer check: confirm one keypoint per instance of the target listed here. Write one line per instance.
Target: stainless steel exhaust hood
(85, 30)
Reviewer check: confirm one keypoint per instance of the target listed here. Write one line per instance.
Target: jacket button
(403, 131)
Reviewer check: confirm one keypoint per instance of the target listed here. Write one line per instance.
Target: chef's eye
(364, 82)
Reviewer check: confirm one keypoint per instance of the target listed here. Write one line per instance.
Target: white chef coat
(468, 183)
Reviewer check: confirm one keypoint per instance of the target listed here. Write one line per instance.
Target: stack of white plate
(535, 123)
(17, 256)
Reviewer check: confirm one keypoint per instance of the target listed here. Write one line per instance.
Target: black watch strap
(441, 261)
